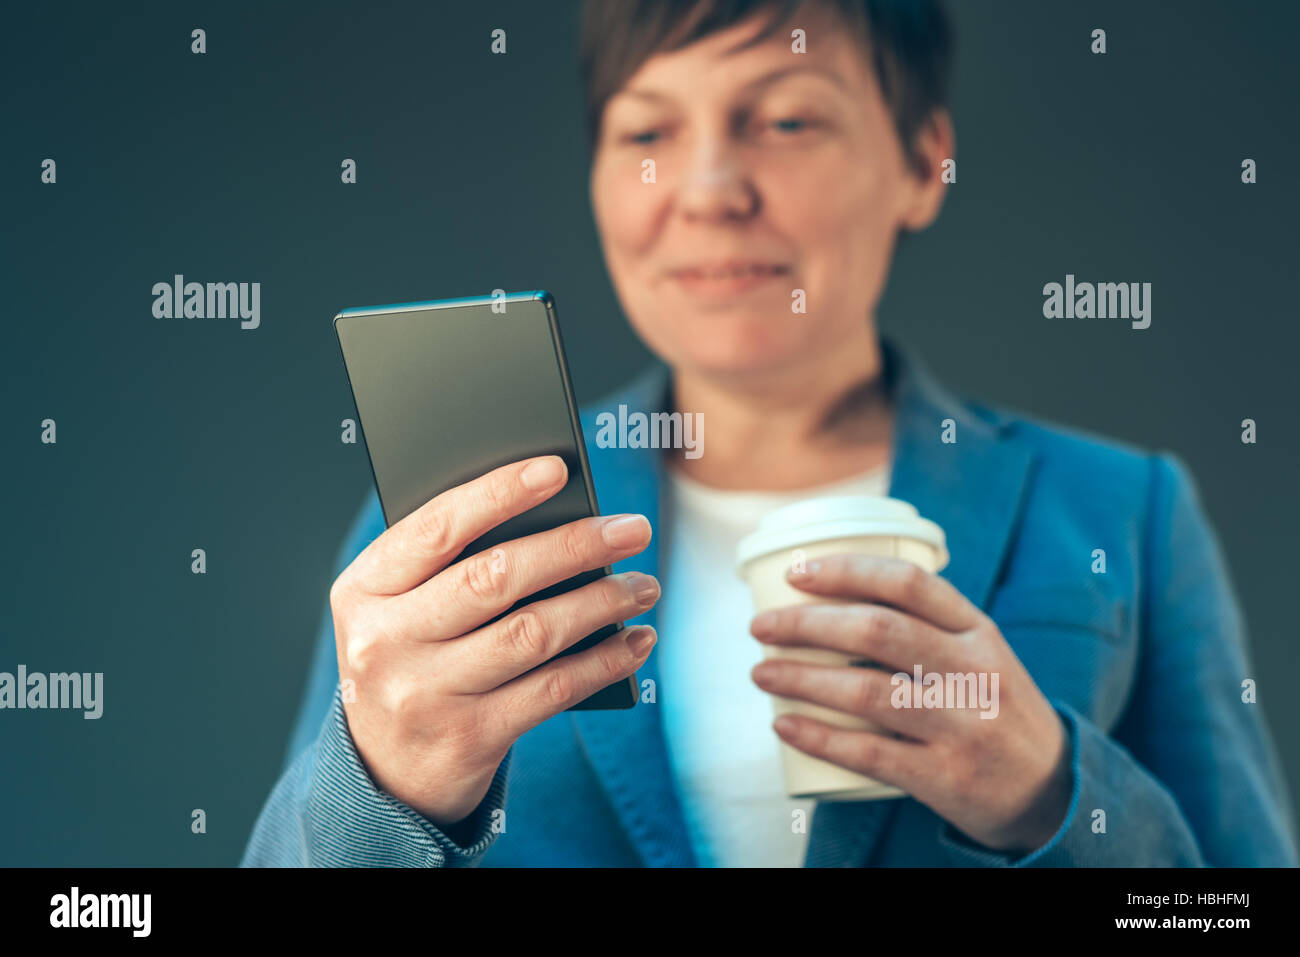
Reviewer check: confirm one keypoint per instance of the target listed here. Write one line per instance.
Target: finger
(877, 696)
(479, 588)
(890, 580)
(544, 692)
(873, 632)
(427, 540)
(490, 656)
(878, 756)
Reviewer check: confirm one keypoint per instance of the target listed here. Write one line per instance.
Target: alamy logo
(102, 910)
(658, 430)
(1105, 300)
(57, 690)
(214, 300)
(934, 689)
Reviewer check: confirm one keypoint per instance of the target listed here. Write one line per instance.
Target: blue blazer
(1144, 663)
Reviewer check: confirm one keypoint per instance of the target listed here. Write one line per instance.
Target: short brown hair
(910, 43)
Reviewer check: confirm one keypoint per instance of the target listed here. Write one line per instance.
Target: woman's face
(774, 171)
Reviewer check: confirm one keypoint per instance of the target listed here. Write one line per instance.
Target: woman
(753, 165)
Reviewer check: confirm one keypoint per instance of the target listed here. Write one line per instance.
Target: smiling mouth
(721, 272)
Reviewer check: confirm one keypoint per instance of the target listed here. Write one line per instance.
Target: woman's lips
(723, 279)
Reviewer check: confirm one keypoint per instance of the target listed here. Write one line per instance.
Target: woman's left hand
(1003, 781)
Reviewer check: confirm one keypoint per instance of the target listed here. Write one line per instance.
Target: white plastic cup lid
(838, 516)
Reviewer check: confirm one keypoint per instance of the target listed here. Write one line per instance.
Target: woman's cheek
(843, 245)
(625, 198)
(810, 194)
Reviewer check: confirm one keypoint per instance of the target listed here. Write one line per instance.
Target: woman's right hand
(440, 696)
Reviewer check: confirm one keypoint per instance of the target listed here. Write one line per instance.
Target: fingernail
(626, 531)
(542, 474)
(643, 587)
(640, 640)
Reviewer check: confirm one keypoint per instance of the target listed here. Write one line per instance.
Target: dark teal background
(472, 175)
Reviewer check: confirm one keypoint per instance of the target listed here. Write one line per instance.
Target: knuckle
(559, 687)
(846, 567)
(622, 663)
(498, 491)
(911, 579)
(433, 530)
(527, 634)
(872, 623)
(615, 595)
(365, 643)
(817, 737)
(404, 702)
(866, 754)
(477, 577)
(868, 697)
(573, 544)
(360, 652)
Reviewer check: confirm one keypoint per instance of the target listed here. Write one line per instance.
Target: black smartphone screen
(449, 390)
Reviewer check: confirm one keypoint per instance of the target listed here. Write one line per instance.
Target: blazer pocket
(1077, 604)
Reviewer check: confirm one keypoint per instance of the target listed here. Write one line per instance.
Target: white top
(717, 722)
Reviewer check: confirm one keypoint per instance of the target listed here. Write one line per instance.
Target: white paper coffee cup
(866, 525)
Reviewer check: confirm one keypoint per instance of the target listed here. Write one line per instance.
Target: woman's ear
(934, 151)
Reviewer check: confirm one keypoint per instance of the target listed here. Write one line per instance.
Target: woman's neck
(802, 427)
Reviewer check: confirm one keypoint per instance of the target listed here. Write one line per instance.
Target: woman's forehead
(730, 59)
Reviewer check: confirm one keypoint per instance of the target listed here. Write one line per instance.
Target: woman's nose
(715, 186)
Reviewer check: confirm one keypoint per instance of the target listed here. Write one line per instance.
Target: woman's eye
(791, 124)
(643, 138)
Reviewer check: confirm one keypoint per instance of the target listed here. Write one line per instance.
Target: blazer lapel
(971, 487)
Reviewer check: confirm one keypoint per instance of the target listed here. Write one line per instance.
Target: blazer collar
(971, 486)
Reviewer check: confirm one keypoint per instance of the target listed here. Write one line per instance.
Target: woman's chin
(735, 360)
(734, 345)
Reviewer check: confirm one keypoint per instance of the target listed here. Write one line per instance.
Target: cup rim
(904, 522)
(795, 537)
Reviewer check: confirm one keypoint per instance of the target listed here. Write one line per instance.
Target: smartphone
(450, 389)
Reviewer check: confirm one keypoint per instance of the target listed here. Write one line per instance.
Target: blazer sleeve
(1191, 777)
(326, 810)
